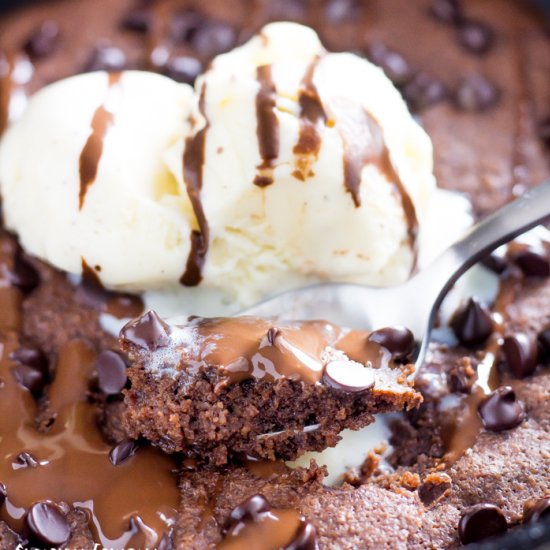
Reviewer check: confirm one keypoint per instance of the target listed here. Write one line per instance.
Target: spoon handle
(527, 211)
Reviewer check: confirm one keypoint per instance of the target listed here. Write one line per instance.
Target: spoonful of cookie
(415, 303)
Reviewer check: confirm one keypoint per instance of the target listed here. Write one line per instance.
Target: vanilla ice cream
(286, 165)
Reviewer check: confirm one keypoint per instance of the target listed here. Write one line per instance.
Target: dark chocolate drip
(268, 126)
(364, 144)
(93, 149)
(193, 165)
(93, 294)
(312, 115)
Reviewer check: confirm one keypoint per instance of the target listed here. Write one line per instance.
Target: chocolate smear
(481, 521)
(92, 293)
(267, 128)
(193, 165)
(472, 324)
(47, 524)
(501, 410)
(312, 118)
(93, 149)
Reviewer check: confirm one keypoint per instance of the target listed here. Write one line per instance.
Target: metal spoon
(413, 304)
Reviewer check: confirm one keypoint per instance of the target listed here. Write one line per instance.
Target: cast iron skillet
(532, 537)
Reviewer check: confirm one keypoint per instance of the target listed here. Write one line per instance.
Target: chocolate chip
(148, 331)
(501, 410)
(184, 24)
(183, 69)
(472, 324)
(23, 275)
(30, 378)
(348, 376)
(544, 130)
(47, 524)
(395, 66)
(399, 341)
(106, 58)
(520, 354)
(447, 11)
(3, 494)
(423, 91)
(122, 451)
(31, 357)
(272, 335)
(532, 260)
(137, 20)
(305, 538)
(544, 341)
(476, 93)
(537, 510)
(496, 261)
(481, 521)
(337, 11)
(250, 509)
(475, 36)
(27, 460)
(43, 41)
(111, 372)
(434, 488)
(165, 543)
(212, 38)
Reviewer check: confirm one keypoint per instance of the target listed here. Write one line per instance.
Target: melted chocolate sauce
(93, 294)
(266, 531)
(93, 149)
(193, 165)
(268, 126)
(364, 144)
(133, 503)
(312, 116)
(248, 347)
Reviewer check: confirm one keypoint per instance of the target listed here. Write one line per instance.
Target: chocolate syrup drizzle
(93, 294)
(312, 115)
(133, 503)
(364, 144)
(93, 149)
(268, 126)
(193, 166)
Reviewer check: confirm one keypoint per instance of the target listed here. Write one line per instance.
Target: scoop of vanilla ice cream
(296, 165)
(305, 225)
(134, 222)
